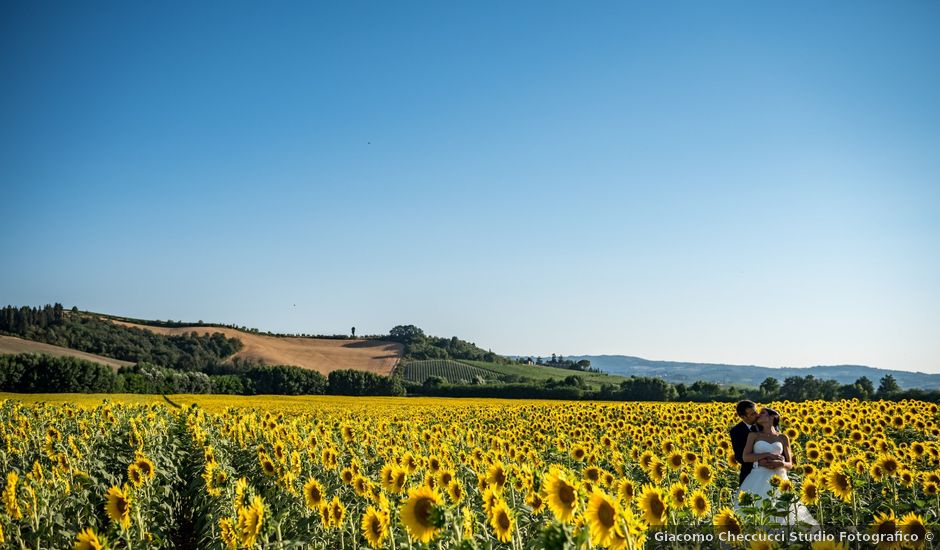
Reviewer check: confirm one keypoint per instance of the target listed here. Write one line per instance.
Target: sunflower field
(405, 473)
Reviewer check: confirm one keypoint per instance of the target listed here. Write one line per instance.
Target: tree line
(644, 388)
(419, 346)
(35, 373)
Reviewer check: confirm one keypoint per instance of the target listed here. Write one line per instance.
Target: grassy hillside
(537, 372)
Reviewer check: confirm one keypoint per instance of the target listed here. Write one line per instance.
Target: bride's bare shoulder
(783, 438)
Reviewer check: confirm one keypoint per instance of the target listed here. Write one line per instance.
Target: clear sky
(741, 182)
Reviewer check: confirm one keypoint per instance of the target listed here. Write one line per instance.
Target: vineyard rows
(448, 369)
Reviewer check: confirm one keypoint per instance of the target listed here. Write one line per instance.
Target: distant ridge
(749, 375)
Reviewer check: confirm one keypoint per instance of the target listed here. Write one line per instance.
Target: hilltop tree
(407, 334)
(888, 387)
(866, 385)
(770, 386)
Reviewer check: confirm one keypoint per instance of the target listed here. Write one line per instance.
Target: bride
(769, 443)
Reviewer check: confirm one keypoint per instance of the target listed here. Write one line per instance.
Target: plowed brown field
(321, 355)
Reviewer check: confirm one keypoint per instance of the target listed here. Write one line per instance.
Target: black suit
(738, 442)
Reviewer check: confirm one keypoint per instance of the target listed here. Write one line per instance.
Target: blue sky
(735, 182)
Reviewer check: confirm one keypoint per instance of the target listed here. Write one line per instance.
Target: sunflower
(703, 474)
(250, 520)
(409, 463)
(118, 506)
(726, 521)
(657, 471)
(592, 474)
(884, 526)
(496, 475)
(889, 465)
(267, 465)
(931, 488)
(913, 526)
(601, 516)
(135, 476)
(455, 491)
(467, 523)
(490, 497)
(626, 490)
(674, 460)
(313, 494)
(362, 486)
(418, 513)
(241, 485)
(336, 512)
(393, 478)
(561, 495)
(375, 526)
(228, 533)
(11, 505)
(535, 502)
(89, 540)
(578, 453)
(145, 465)
(699, 504)
(840, 484)
(906, 477)
(444, 477)
(653, 505)
(502, 521)
(678, 495)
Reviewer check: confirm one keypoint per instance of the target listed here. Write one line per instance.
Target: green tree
(888, 388)
(769, 387)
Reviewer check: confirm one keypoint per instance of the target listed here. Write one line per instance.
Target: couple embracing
(763, 452)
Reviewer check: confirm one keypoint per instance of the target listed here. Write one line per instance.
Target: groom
(747, 410)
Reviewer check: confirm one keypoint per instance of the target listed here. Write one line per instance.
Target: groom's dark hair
(745, 405)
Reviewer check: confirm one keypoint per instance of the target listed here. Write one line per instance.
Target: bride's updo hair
(775, 415)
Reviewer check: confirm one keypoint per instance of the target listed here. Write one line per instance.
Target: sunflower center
(887, 527)
(423, 511)
(657, 507)
(503, 521)
(605, 513)
(566, 494)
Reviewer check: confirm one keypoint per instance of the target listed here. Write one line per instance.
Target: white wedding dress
(758, 483)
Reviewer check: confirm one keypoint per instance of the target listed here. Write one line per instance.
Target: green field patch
(455, 372)
(541, 373)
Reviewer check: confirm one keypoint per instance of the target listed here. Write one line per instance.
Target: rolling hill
(749, 375)
(321, 355)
